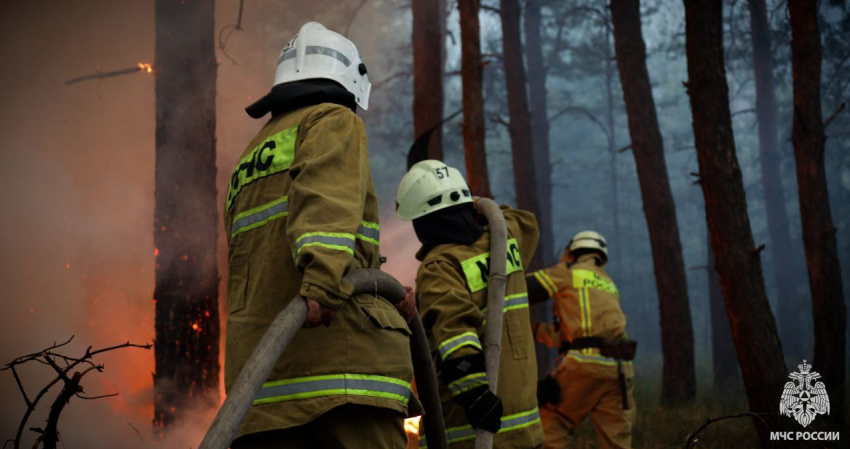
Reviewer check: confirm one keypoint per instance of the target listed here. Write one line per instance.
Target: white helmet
(428, 187)
(588, 240)
(317, 52)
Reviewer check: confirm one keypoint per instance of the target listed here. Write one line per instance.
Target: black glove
(548, 391)
(483, 409)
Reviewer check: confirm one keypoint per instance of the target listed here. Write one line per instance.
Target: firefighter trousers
(583, 395)
(348, 426)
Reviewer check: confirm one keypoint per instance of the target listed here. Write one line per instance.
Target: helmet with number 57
(430, 186)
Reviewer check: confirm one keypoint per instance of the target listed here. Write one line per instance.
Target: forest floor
(658, 427)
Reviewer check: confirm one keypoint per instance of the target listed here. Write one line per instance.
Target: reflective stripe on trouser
(453, 344)
(334, 385)
(260, 216)
(509, 423)
(467, 383)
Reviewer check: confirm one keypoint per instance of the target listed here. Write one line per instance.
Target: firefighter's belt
(619, 349)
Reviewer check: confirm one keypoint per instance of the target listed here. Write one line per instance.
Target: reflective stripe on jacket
(452, 291)
(301, 212)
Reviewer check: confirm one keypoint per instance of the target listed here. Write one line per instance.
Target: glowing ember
(156, 251)
(194, 326)
(145, 67)
(411, 426)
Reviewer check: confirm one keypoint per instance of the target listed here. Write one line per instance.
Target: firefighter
(452, 294)
(301, 212)
(595, 373)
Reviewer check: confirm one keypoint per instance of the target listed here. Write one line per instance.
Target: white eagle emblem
(803, 401)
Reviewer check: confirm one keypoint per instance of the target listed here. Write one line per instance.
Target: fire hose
(241, 396)
(495, 302)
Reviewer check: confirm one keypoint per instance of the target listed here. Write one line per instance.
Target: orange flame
(411, 427)
(145, 67)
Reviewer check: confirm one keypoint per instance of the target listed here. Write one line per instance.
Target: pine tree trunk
(540, 129)
(738, 263)
(428, 50)
(542, 166)
(612, 151)
(525, 181)
(807, 134)
(186, 211)
(771, 179)
(472, 76)
(725, 365)
(677, 334)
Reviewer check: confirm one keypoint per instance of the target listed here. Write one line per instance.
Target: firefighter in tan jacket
(301, 213)
(452, 293)
(595, 374)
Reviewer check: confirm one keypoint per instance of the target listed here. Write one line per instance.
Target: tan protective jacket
(587, 304)
(452, 292)
(301, 213)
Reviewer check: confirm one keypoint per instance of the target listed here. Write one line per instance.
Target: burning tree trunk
(428, 45)
(525, 181)
(771, 180)
(539, 128)
(818, 231)
(185, 221)
(677, 335)
(472, 75)
(738, 264)
(722, 348)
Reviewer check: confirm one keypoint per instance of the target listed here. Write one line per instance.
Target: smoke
(78, 168)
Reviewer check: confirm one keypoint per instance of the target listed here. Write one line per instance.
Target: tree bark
(738, 263)
(677, 334)
(540, 128)
(525, 180)
(807, 134)
(185, 216)
(542, 166)
(612, 144)
(771, 179)
(725, 366)
(472, 76)
(428, 50)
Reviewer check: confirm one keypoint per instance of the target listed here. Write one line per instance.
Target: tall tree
(525, 180)
(724, 365)
(472, 76)
(771, 179)
(807, 134)
(612, 135)
(677, 334)
(539, 127)
(186, 210)
(738, 264)
(428, 51)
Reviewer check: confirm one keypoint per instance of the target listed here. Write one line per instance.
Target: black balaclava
(456, 224)
(291, 96)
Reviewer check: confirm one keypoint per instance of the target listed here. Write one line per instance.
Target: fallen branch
(693, 437)
(49, 435)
